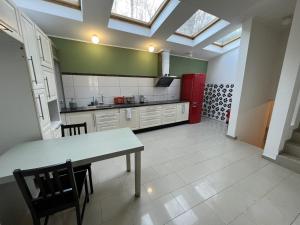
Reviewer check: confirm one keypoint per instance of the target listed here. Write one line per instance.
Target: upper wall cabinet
(9, 19)
(44, 48)
(28, 28)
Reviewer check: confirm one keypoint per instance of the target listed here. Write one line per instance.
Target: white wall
(222, 69)
(286, 97)
(264, 55)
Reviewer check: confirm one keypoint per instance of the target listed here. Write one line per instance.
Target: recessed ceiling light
(95, 39)
(151, 48)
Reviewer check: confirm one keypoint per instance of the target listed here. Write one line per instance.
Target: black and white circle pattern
(217, 100)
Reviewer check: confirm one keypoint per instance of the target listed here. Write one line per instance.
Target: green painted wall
(85, 58)
(182, 65)
(80, 57)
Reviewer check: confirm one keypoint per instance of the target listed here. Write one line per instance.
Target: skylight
(138, 11)
(229, 38)
(198, 23)
(76, 4)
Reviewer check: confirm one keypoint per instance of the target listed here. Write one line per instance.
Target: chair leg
(86, 191)
(90, 179)
(78, 216)
(46, 220)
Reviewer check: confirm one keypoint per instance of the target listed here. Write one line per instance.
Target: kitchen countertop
(115, 106)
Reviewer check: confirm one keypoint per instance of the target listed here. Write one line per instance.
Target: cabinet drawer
(150, 123)
(151, 109)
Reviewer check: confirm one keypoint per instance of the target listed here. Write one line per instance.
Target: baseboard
(159, 127)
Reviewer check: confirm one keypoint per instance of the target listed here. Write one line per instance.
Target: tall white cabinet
(20, 36)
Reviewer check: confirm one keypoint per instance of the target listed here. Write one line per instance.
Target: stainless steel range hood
(165, 79)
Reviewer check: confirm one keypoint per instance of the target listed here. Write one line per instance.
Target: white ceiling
(96, 15)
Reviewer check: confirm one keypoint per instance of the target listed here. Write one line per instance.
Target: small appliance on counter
(119, 100)
(72, 104)
(142, 99)
(130, 100)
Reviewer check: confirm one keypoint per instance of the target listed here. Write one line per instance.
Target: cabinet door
(81, 117)
(182, 112)
(126, 121)
(107, 119)
(49, 83)
(45, 50)
(150, 116)
(31, 50)
(47, 134)
(42, 109)
(169, 114)
(9, 19)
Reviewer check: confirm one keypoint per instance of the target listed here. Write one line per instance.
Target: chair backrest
(48, 180)
(74, 129)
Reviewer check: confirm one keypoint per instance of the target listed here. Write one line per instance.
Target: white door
(130, 118)
(31, 50)
(42, 109)
(81, 117)
(9, 19)
(44, 48)
(182, 112)
(49, 83)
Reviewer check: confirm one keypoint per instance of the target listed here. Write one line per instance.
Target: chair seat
(55, 203)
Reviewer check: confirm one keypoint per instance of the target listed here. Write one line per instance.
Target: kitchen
(136, 121)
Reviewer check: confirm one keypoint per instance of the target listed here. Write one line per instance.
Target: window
(198, 23)
(142, 12)
(76, 4)
(229, 38)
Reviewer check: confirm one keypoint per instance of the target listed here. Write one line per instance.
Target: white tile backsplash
(90, 81)
(129, 91)
(128, 82)
(86, 92)
(106, 81)
(68, 80)
(83, 88)
(109, 91)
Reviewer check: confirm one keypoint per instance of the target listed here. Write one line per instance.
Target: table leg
(128, 163)
(137, 163)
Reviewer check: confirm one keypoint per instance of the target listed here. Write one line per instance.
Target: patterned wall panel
(217, 100)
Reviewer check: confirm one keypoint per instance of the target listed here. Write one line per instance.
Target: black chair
(54, 192)
(74, 129)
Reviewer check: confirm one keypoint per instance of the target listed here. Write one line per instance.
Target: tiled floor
(193, 174)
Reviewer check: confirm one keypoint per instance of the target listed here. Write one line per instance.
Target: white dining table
(81, 149)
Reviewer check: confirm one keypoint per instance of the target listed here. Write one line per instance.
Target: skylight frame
(139, 22)
(205, 28)
(66, 4)
(231, 40)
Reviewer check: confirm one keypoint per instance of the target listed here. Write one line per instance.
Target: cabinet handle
(6, 28)
(32, 64)
(40, 102)
(46, 79)
(40, 40)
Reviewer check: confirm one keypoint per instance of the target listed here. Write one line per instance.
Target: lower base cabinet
(134, 118)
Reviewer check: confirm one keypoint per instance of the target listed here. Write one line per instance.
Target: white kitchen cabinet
(31, 49)
(150, 116)
(132, 122)
(9, 19)
(81, 117)
(56, 133)
(47, 134)
(42, 109)
(45, 50)
(169, 114)
(107, 119)
(182, 112)
(49, 83)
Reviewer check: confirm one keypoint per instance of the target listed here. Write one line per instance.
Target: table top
(81, 149)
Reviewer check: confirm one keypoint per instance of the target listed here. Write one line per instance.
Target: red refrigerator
(192, 90)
